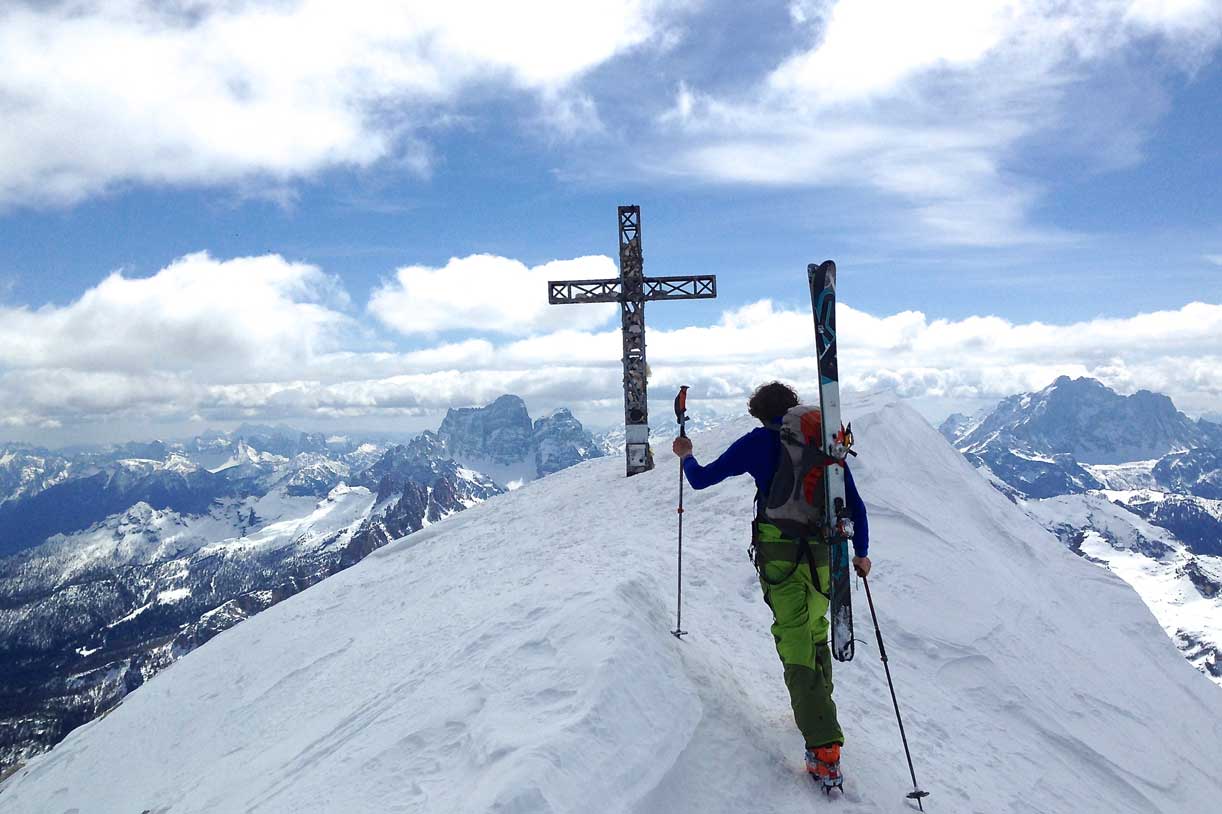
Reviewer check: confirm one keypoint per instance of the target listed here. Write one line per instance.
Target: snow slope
(1180, 588)
(516, 658)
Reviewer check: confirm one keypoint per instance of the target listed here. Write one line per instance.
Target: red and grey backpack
(796, 503)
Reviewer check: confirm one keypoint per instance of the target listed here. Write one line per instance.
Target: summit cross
(632, 290)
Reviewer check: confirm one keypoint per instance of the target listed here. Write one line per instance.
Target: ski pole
(681, 417)
(916, 793)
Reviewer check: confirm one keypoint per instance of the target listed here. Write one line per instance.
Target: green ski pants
(800, 628)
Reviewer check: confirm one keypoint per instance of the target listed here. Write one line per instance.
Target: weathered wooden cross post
(632, 290)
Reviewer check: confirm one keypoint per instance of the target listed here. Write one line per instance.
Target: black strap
(804, 552)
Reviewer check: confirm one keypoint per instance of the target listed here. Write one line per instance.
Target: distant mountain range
(1128, 481)
(114, 562)
(1089, 421)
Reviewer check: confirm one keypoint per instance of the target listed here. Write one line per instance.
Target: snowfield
(1149, 558)
(517, 658)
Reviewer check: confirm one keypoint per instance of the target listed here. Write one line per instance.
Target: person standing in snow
(797, 592)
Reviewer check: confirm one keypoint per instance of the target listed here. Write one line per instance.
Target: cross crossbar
(572, 291)
(567, 292)
(681, 288)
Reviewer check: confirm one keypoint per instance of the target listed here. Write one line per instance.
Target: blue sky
(1012, 190)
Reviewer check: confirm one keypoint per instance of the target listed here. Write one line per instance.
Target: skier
(797, 592)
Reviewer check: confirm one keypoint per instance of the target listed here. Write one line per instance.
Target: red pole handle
(681, 411)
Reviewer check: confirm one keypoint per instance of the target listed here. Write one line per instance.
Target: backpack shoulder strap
(760, 497)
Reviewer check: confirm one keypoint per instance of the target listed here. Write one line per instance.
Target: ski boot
(823, 764)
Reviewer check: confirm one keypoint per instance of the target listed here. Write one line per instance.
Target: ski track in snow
(516, 658)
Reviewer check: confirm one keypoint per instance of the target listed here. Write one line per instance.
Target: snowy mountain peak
(1088, 420)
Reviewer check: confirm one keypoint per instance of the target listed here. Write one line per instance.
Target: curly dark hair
(771, 401)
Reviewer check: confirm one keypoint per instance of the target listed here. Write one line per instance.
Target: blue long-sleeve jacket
(756, 453)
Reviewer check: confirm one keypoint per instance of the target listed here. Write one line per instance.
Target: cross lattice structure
(632, 290)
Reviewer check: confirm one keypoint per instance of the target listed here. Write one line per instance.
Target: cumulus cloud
(265, 338)
(97, 93)
(487, 293)
(981, 357)
(245, 317)
(931, 103)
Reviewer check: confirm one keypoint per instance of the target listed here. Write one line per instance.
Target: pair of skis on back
(837, 444)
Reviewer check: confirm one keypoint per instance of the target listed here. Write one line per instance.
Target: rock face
(560, 442)
(1196, 521)
(500, 440)
(501, 432)
(424, 462)
(1196, 472)
(955, 425)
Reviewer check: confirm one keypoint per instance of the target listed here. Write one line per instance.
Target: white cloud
(96, 93)
(931, 103)
(488, 294)
(1216, 259)
(246, 317)
(1177, 352)
(1200, 21)
(870, 46)
(264, 338)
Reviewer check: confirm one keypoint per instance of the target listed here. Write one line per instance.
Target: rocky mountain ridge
(1087, 420)
(500, 440)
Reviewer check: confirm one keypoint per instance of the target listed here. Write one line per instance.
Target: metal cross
(632, 290)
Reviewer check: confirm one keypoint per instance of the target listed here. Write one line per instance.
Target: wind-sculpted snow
(1182, 589)
(516, 658)
(1032, 447)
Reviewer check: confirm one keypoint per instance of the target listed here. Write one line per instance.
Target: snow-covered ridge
(1075, 444)
(516, 658)
(1183, 590)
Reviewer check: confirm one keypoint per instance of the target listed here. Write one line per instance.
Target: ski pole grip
(681, 411)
